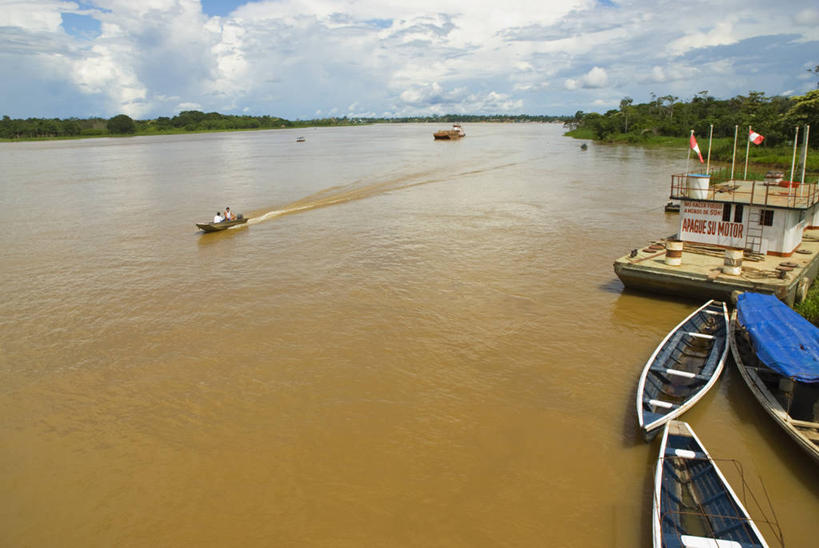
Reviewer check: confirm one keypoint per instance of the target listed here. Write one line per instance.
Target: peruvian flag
(696, 148)
(755, 137)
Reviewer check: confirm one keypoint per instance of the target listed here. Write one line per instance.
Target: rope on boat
(772, 522)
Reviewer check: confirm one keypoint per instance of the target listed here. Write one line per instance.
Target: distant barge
(449, 134)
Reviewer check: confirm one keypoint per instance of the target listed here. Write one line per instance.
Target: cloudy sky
(320, 58)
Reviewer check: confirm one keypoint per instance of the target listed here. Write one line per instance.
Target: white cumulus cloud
(596, 78)
(294, 58)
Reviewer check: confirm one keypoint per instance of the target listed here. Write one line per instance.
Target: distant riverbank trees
(668, 116)
(196, 121)
(120, 124)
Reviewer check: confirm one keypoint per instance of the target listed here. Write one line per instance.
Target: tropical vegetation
(667, 120)
(196, 121)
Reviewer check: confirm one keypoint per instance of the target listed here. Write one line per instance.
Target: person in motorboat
(229, 216)
(218, 218)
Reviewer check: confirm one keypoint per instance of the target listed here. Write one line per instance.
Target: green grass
(580, 133)
(722, 150)
(809, 308)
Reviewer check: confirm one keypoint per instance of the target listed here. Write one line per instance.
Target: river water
(411, 343)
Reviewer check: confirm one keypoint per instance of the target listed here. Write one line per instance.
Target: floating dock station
(760, 236)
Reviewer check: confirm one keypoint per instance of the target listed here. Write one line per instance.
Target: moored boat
(683, 367)
(694, 505)
(777, 353)
(223, 225)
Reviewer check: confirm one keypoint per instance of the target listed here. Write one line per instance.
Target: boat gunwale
(656, 506)
(651, 428)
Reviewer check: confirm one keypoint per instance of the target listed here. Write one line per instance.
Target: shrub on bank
(809, 308)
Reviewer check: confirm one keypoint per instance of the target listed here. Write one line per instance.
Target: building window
(738, 213)
(766, 217)
(726, 212)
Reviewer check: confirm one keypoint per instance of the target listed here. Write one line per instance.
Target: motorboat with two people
(222, 221)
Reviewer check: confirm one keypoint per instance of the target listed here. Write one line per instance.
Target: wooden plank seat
(685, 454)
(692, 541)
(661, 403)
(665, 371)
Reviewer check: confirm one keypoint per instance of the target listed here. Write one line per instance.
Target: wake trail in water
(360, 190)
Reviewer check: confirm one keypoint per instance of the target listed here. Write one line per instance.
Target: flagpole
(708, 165)
(805, 155)
(734, 157)
(747, 150)
(688, 158)
(793, 160)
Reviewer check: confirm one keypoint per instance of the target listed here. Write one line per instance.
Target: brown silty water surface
(411, 343)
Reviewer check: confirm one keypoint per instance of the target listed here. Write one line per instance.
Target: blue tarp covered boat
(776, 352)
(784, 341)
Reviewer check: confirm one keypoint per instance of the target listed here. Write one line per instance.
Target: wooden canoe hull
(693, 503)
(763, 383)
(446, 135)
(683, 367)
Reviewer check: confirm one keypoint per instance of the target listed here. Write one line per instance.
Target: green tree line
(121, 124)
(774, 117)
(194, 120)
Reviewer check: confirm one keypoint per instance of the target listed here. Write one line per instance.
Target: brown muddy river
(411, 343)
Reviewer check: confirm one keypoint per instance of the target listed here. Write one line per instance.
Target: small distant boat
(694, 506)
(450, 134)
(672, 207)
(685, 365)
(777, 353)
(224, 225)
(300, 139)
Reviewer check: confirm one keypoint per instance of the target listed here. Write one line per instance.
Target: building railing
(761, 193)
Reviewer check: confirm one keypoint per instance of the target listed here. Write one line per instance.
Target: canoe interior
(694, 353)
(695, 500)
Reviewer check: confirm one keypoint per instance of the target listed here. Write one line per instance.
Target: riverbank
(175, 131)
(46, 129)
(762, 158)
(135, 134)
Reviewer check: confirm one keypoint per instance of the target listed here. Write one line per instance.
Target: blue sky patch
(380, 23)
(81, 26)
(221, 7)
